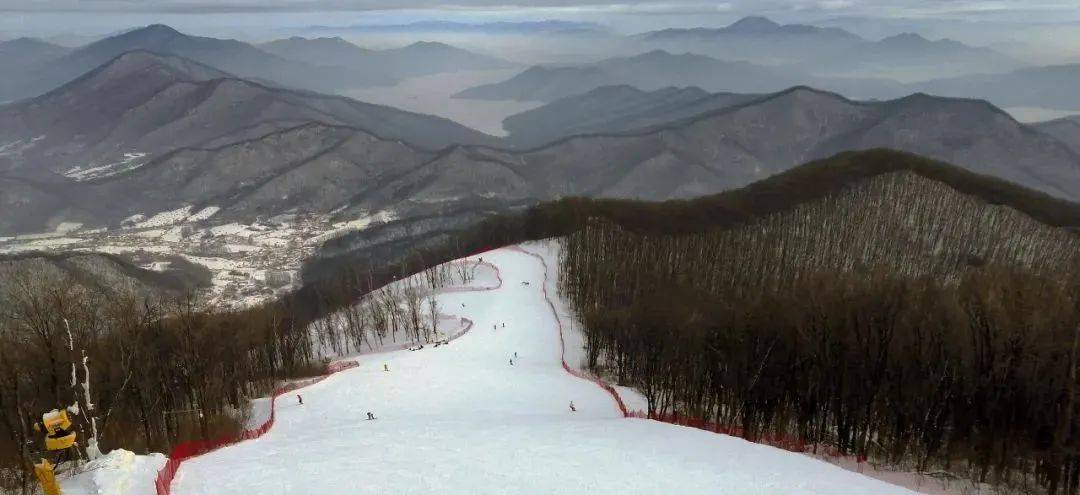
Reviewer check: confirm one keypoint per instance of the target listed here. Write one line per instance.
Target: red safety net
(562, 342)
(793, 444)
(187, 450)
(786, 442)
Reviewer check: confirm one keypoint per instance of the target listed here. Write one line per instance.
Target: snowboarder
(370, 416)
(572, 408)
(300, 399)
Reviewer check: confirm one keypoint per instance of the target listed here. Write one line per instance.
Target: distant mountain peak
(25, 44)
(753, 24)
(655, 53)
(327, 40)
(429, 44)
(808, 93)
(660, 54)
(158, 29)
(154, 33)
(136, 61)
(908, 36)
(905, 39)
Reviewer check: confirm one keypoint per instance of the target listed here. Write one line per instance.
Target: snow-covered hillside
(462, 419)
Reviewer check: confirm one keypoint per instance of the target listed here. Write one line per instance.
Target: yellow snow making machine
(59, 434)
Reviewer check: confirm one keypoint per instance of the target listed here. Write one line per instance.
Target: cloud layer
(1030, 9)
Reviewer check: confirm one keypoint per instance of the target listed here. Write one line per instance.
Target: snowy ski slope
(459, 419)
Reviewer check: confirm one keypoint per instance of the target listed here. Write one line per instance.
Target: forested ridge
(156, 362)
(895, 316)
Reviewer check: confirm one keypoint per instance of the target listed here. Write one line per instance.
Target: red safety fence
(498, 276)
(466, 324)
(562, 342)
(786, 442)
(187, 450)
(789, 443)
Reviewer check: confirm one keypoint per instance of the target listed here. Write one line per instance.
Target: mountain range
(1046, 87)
(614, 110)
(547, 27)
(418, 59)
(140, 107)
(22, 51)
(43, 67)
(149, 133)
(822, 50)
(1066, 130)
(659, 69)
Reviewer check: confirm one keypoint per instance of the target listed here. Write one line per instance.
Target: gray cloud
(1047, 9)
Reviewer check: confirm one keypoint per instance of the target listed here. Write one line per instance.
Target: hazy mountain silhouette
(659, 69)
(614, 109)
(830, 50)
(418, 59)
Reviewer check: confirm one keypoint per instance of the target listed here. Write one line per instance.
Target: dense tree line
(895, 319)
(166, 368)
(147, 371)
(144, 371)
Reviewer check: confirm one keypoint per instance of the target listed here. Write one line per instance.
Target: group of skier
(494, 327)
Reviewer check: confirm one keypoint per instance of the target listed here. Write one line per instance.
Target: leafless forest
(896, 319)
(861, 302)
(148, 371)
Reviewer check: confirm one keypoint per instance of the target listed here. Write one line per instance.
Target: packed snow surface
(460, 419)
(119, 472)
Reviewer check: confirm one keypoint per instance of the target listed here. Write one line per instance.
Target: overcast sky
(1053, 25)
(1031, 10)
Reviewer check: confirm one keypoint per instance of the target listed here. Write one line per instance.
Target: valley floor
(462, 419)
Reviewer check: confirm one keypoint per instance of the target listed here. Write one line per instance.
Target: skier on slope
(370, 416)
(572, 408)
(300, 399)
